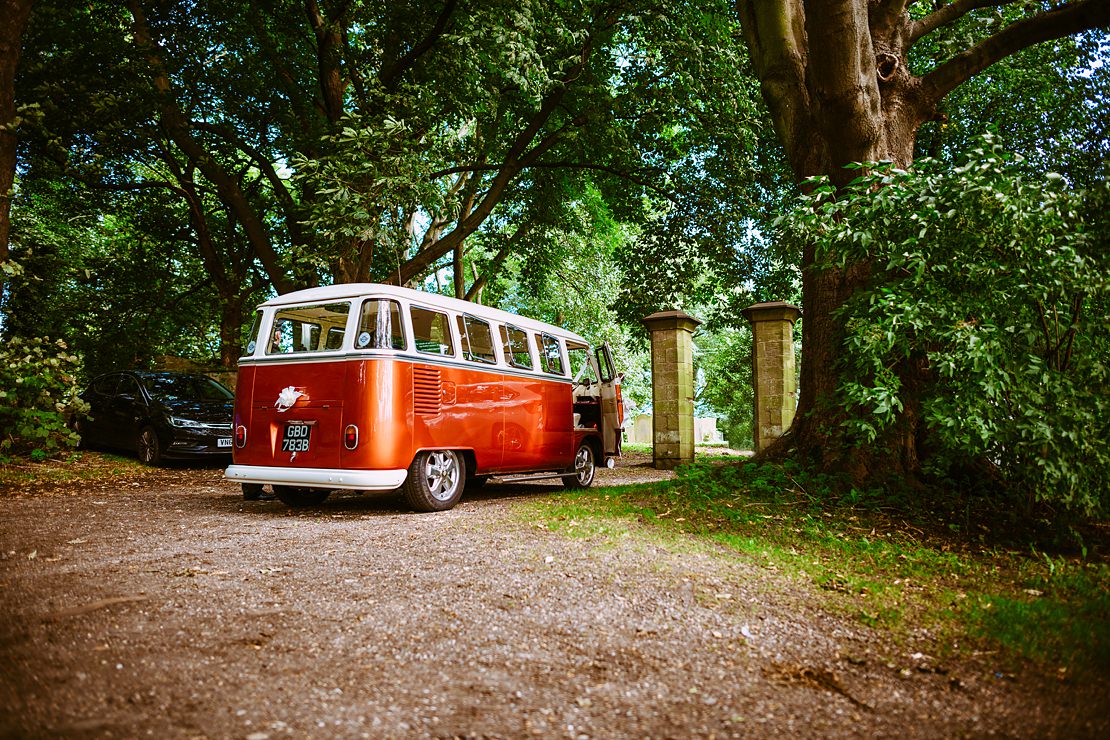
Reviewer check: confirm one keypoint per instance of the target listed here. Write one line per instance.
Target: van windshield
(314, 328)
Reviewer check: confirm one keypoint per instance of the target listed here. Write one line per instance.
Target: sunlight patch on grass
(857, 561)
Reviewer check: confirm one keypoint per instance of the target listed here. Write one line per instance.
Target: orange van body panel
(401, 406)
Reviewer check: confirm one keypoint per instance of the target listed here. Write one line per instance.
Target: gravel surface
(172, 608)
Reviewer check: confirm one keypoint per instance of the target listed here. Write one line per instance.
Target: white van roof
(360, 290)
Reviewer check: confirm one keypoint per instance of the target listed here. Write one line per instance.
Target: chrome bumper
(356, 480)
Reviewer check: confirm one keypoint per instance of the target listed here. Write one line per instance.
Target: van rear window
(302, 329)
(380, 327)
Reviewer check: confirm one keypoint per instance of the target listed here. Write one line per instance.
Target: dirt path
(182, 611)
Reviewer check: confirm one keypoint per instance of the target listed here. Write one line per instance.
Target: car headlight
(177, 421)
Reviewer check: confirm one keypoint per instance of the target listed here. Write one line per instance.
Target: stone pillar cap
(663, 320)
(771, 311)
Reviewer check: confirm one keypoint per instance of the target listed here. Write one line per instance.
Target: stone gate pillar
(672, 387)
(773, 377)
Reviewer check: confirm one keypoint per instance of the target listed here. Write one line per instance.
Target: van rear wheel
(435, 481)
(583, 468)
(301, 497)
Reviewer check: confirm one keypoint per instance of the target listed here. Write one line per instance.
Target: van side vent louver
(426, 390)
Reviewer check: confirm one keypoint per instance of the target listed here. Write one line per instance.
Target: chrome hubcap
(584, 465)
(442, 473)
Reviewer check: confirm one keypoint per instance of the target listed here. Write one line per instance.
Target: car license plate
(223, 442)
(296, 438)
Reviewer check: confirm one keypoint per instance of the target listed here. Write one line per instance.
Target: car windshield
(185, 388)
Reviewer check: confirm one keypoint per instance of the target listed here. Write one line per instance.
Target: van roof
(359, 290)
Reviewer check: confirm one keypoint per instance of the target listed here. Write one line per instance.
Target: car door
(612, 404)
(127, 412)
(97, 427)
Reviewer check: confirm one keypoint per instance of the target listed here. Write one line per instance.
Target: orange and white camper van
(373, 387)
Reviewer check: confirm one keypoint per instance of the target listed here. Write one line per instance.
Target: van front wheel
(435, 481)
(583, 468)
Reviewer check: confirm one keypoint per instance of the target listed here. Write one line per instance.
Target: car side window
(105, 386)
(128, 388)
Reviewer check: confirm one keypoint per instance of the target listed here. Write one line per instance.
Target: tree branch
(776, 38)
(1065, 20)
(176, 125)
(498, 260)
(949, 14)
(390, 74)
(329, 39)
(277, 185)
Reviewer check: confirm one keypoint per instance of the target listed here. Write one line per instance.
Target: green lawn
(891, 570)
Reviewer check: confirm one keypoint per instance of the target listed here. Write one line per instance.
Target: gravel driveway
(175, 609)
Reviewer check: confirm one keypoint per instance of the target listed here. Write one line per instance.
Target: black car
(158, 415)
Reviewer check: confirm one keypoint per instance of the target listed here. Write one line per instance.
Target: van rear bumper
(357, 480)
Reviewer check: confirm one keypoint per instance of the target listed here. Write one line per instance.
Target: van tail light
(240, 436)
(350, 437)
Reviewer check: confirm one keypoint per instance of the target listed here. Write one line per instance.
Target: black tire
(435, 481)
(149, 446)
(298, 498)
(252, 491)
(583, 469)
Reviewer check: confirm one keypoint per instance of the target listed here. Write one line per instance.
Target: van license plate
(296, 438)
(223, 442)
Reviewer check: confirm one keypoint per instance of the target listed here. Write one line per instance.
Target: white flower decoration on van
(287, 398)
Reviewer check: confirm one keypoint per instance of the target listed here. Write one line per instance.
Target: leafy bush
(996, 287)
(37, 393)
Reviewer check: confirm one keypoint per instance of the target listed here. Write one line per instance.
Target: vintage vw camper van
(374, 387)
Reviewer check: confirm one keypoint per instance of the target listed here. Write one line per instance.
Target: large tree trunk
(15, 14)
(835, 78)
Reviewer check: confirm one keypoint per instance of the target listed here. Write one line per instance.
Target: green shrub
(994, 286)
(38, 392)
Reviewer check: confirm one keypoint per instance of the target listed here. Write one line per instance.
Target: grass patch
(75, 467)
(891, 569)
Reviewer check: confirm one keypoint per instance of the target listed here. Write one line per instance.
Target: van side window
(552, 358)
(308, 328)
(477, 340)
(380, 326)
(515, 343)
(431, 331)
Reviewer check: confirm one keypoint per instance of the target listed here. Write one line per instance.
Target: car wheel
(301, 497)
(435, 480)
(583, 468)
(149, 446)
(252, 491)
